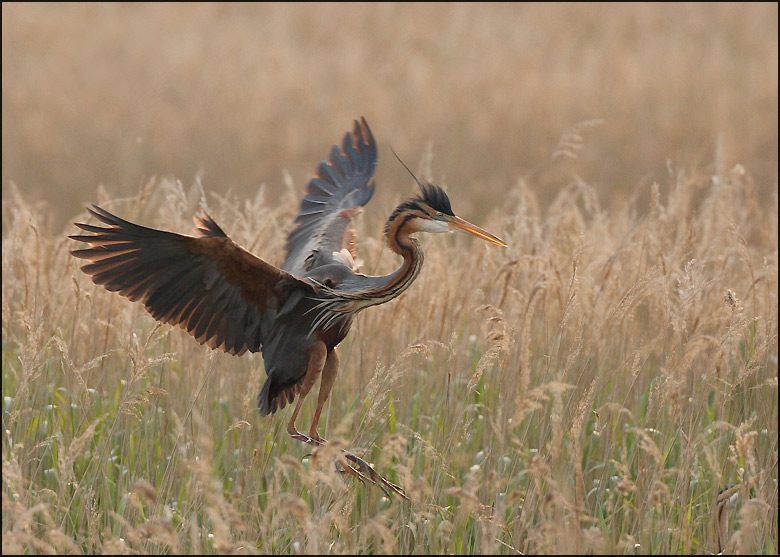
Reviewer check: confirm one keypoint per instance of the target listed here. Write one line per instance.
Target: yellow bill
(459, 223)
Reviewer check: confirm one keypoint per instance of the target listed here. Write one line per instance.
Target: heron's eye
(439, 215)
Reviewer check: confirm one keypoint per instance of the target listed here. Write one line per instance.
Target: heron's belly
(285, 352)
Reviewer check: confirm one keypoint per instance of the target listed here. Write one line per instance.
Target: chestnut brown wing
(218, 292)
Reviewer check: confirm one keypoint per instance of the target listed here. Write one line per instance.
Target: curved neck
(392, 285)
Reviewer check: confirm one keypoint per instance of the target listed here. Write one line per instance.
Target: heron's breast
(337, 332)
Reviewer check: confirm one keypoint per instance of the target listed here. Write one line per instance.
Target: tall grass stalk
(590, 389)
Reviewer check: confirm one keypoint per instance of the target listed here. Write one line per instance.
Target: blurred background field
(114, 94)
(593, 388)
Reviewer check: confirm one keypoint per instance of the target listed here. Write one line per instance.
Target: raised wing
(212, 288)
(334, 195)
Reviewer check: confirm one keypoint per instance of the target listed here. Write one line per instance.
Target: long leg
(322, 362)
(316, 361)
(363, 469)
(329, 372)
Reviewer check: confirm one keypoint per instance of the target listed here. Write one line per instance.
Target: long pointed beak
(459, 223)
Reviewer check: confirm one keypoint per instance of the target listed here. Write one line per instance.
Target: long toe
(346, 469)
(298, 436)
(375, 477)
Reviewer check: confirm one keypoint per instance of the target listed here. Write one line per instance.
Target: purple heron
(296, 315)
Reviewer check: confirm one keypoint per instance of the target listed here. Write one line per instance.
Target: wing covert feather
(221, 294)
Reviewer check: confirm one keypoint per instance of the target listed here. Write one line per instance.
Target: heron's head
(430, 211)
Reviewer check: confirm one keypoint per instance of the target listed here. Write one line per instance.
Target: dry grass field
(606, 384)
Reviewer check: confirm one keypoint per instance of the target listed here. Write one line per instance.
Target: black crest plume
(431, 194)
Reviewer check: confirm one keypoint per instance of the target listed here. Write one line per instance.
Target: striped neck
(385, 288)
(399, 241)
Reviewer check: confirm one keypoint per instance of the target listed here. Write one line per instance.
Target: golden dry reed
(591, 389)
(607, 384)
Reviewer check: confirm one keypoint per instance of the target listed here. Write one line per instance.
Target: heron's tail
(273, 397)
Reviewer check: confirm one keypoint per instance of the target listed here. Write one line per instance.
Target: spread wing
(212, 288)
(335, 194)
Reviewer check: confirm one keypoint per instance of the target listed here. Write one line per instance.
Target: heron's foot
(313, 441)
(361, 470)
(317, 442)
(367, 472)
(313, 434)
